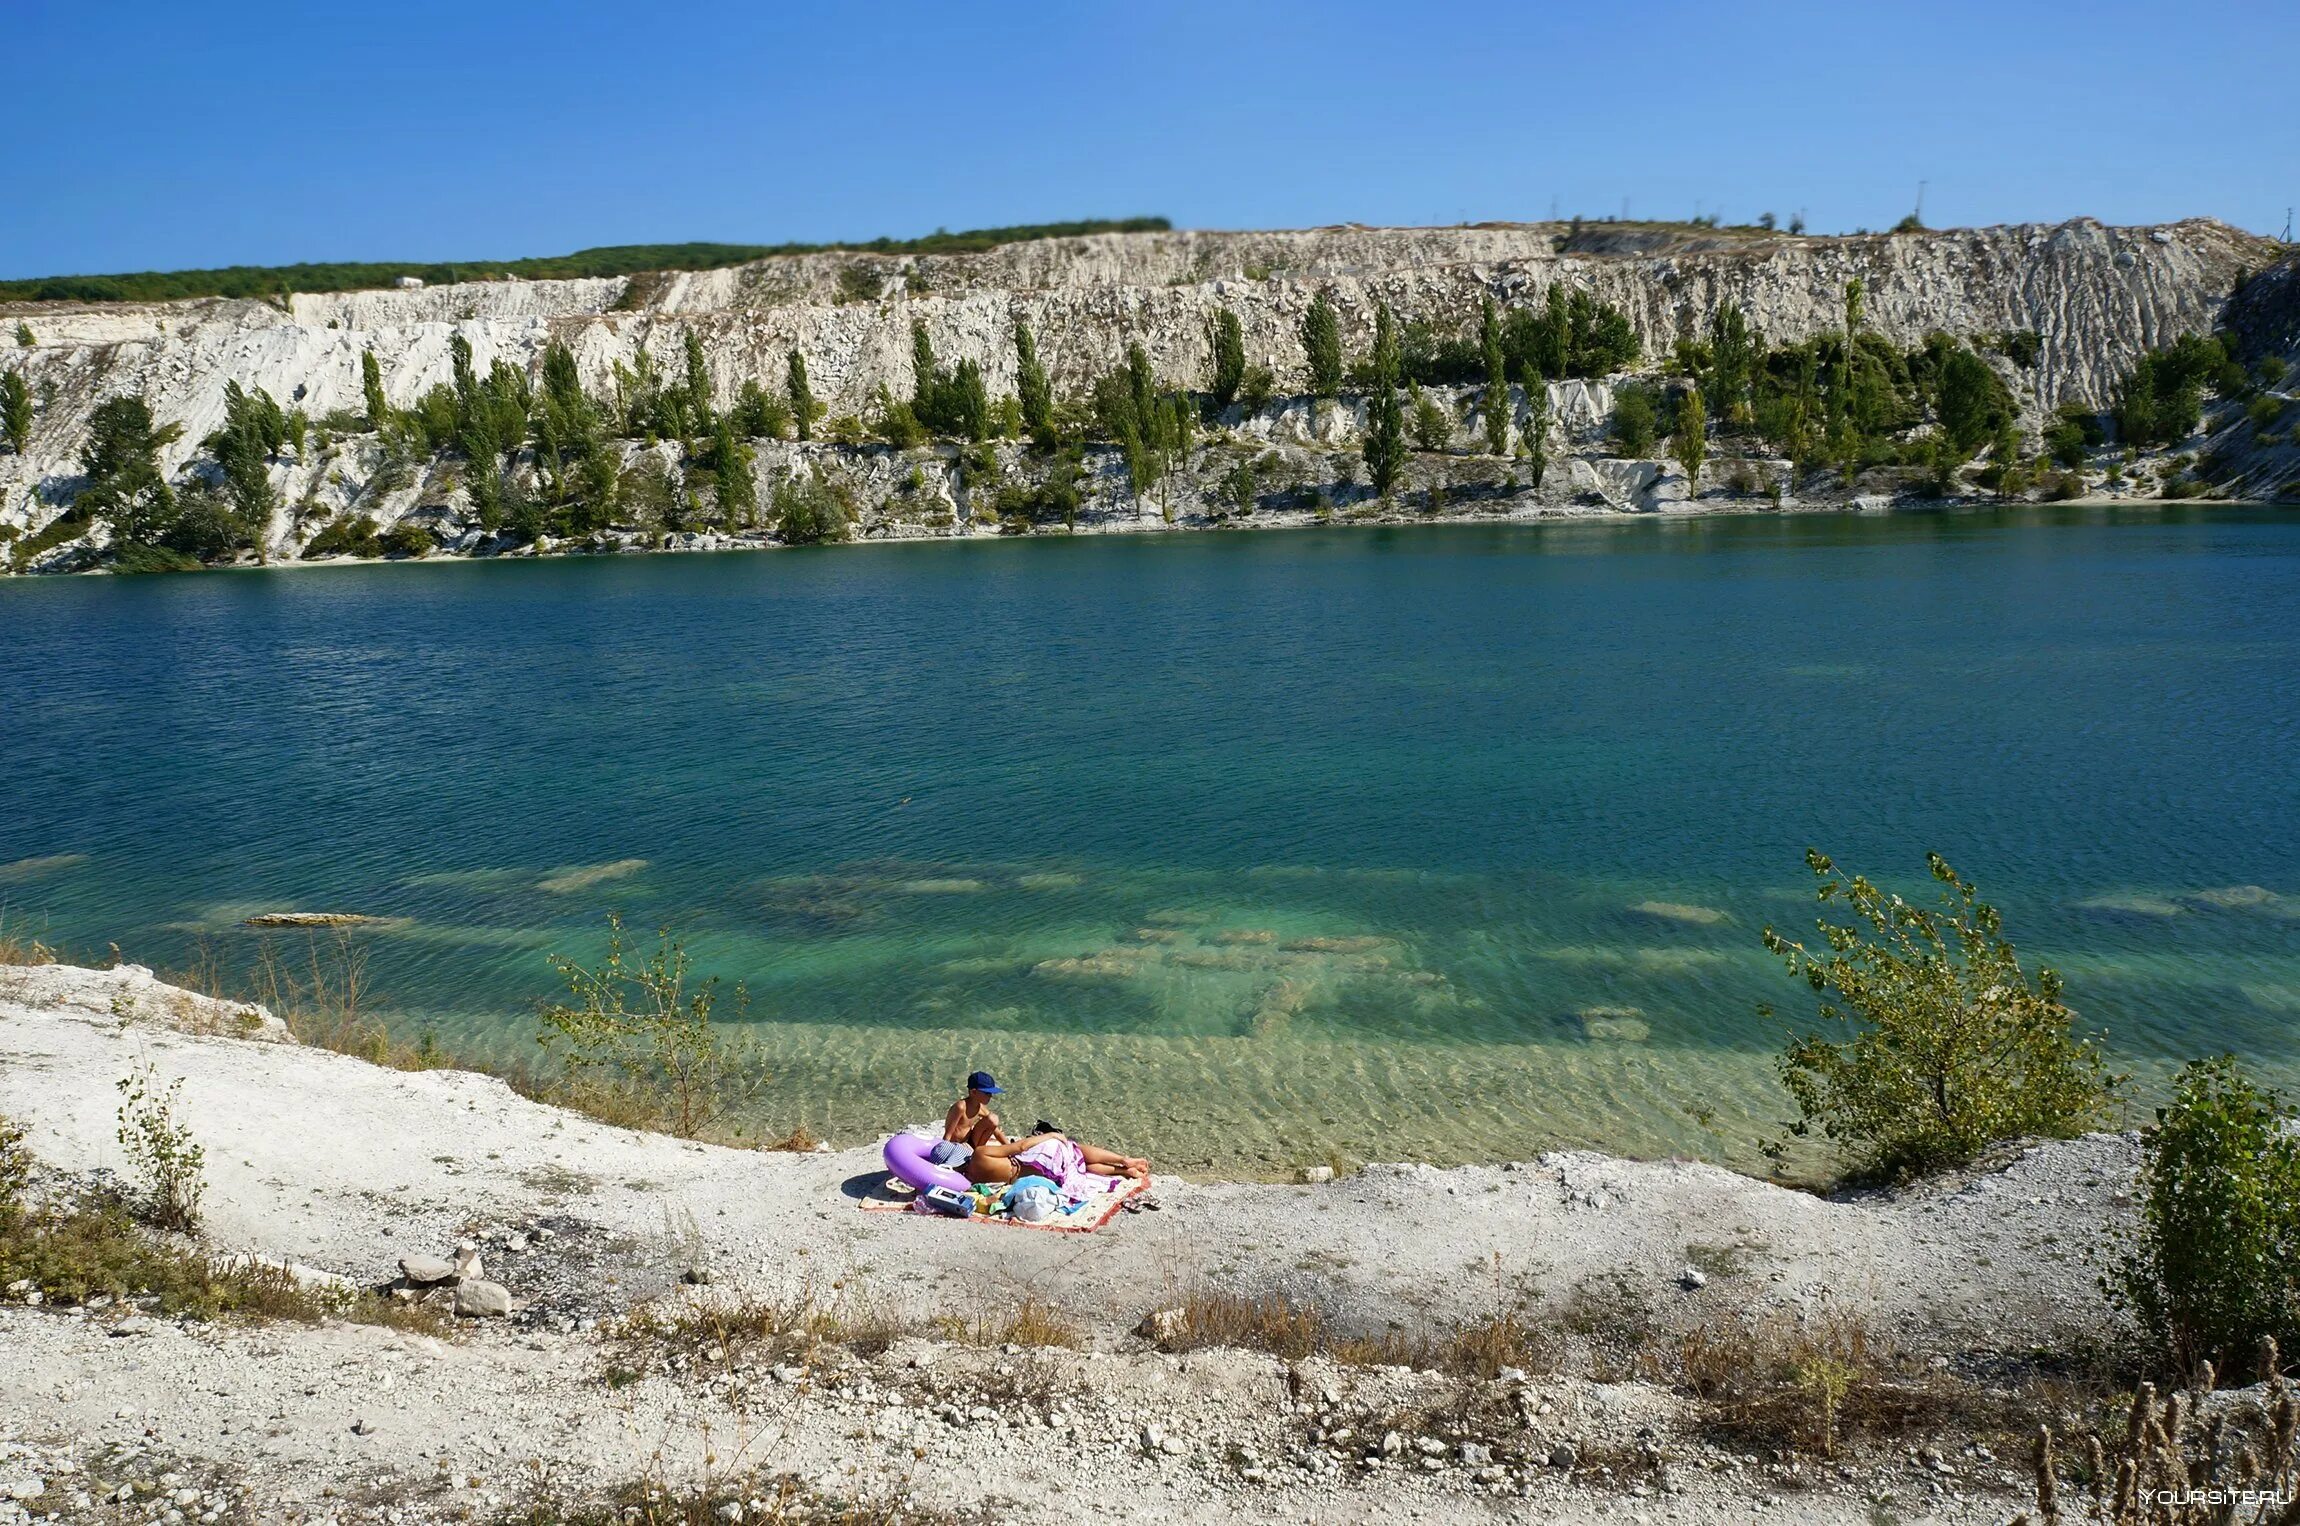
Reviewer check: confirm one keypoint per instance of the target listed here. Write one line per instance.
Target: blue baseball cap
(980, 1082)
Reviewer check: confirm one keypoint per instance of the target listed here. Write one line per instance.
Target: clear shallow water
(1445, 842)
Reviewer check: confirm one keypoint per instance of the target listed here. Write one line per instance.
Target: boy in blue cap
(970, 1123)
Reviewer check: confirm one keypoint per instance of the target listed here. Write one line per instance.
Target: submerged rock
(315, 919)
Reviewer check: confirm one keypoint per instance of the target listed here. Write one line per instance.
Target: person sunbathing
(1053, 1155)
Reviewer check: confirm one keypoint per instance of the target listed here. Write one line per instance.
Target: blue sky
(154, 136)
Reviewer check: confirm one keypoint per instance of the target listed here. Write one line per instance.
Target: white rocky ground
(346, 1167)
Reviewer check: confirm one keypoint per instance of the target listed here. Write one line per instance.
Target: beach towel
(1074, 1218)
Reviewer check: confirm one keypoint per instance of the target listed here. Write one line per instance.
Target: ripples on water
(1451, 842)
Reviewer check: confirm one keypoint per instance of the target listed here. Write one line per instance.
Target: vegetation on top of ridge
(609, 260)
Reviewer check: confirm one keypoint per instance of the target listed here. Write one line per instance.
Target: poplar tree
(1690, 439)
(1385, 447)
(1037, 395)
(15, 410)
(699, 397)
(371, 387)
(1495, 403)
(1229, 343)
(1322, 345)
(731, 462)
(803, 410)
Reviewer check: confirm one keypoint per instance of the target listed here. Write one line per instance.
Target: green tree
(120, 461)
(1973, 402)
(1553, 350)
(459, 363)
(1635, 420)
(1385, 445)
(643, 1027)
(759, 414)
(2216, 1269)
(1689, 441)
(922, 369)
(1494, 402)
(1432, 426)
(804, 409)
(731, 464)
(1322, 347)
(1151, 425)
(15, 410)
(1035, 393)
(807, 512)
(700, 394)
(1734, 355)
(253, 432)
(1228, 339)
(371, 389)
(1948, 1046)
(1537, 430)
(1856, 299)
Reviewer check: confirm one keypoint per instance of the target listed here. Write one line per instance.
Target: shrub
(2021, 347)
(1634, 420)
(2059, 487)
(2264, 411)
(896, 422)
(357, 536)
(759, 414)
(406, 539)
(1256, 389)
(639, 1025)
(133, 558)
(161, 1150)
(1433, 430)
(1950, 1046)
(2067, 440)
(808, 513)
(2216, 1270)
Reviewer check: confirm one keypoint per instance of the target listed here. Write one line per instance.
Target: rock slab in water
(314, 919)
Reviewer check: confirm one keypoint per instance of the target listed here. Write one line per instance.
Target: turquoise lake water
(1446, 842)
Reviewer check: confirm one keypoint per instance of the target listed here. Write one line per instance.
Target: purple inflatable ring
(906, 1157)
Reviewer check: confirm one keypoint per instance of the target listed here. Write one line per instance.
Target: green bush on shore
(2216, 1269)
(1935, 1043)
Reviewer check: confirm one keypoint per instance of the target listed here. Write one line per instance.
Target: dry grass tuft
(18, 946)
(2196, 1457)
(1817, 1384)
(1032, 1322)
(729, 1331)
(1294, 1331)
(756, 1496)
